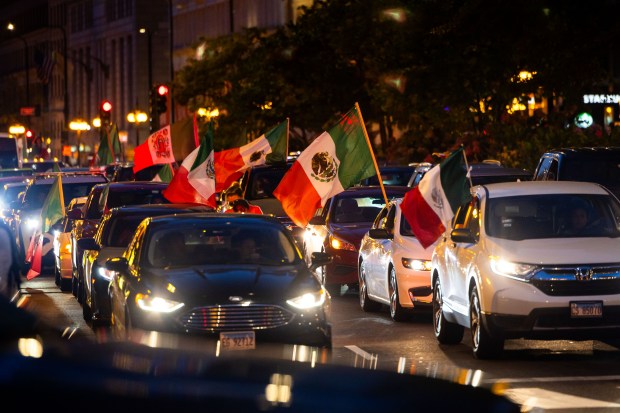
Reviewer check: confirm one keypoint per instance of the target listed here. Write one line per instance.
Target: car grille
(578, 280)
(235, 318)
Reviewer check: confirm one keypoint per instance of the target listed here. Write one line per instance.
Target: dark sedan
(237, 278)
(337, 229)
(112, 237)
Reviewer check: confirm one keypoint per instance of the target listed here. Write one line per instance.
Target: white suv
(510, 266)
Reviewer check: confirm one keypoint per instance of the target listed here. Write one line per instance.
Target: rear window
(36, 194)
(135, 197)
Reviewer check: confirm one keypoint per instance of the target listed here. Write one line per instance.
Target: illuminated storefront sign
(601, 98)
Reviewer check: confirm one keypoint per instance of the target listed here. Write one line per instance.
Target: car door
(462, 255)
(384, 255)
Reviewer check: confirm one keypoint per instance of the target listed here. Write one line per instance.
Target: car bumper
(414, 287)
(343, 268)
(514, 309)
(309, 329)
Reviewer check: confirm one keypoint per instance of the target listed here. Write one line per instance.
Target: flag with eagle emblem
(270, 147)
(194, 182)
(334, 161)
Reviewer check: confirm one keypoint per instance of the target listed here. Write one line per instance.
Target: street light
(11, 28)
(137, 117)
(79, 126)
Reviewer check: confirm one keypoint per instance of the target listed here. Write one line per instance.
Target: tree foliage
(428, 75)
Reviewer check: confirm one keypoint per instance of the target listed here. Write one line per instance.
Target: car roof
(133, 185)
(506, 189)
(157, 208)
(585, 151)
(372, 189)
(68, 177)
(198, 216)
(483, 169)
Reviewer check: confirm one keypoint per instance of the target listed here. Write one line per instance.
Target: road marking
(536, 398)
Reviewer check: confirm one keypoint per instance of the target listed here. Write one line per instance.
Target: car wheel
(65, 285)
(445, 331)
(56, 275)
(74, 284)
(80, 289)
(87, 311)
(365, 302)
(483, 345)
(397, 312)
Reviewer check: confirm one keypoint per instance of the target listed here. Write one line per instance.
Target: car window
(207, 243)
(549, 216)
(356, 209)
(135, 197)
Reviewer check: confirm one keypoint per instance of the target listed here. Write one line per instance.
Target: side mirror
(317, 220)
(379, 233)
(75, 213)
(319, 259)
(117, 264)
(88, 244)
(462, 235)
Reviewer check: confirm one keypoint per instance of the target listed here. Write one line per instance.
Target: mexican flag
(431, 205)
(165, 174)
(109, 144)
(194, 182)
(270, 147)
(157, 150)
(52, 211)
(334, 161)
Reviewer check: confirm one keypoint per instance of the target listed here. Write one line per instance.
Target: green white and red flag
(334, 161)
(52, 211)
(194, 182)
(429, 207)
(157, 150)
(165, 174)
(109, 144)
(271, 147)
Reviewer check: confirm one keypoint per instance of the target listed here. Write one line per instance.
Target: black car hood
(216, 284)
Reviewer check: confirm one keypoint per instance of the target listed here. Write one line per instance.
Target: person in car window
(234, 202)
(581, 222)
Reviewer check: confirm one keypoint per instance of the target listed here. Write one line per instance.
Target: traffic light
(161, 96)
(105, 111)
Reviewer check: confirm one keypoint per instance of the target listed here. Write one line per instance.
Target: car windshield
(207, 243)
(552, 216)
(264, 182)
(36, 194)
(357, 209)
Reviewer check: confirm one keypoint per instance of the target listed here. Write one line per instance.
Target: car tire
(56, 275)
(74, 284)
(365, 302)
(87, 311)
(397, 312)
(484, 346)
(65, 285)
(80, 289)
(445, 331)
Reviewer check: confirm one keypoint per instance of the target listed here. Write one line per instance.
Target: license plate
(241, 340)
(586, 309)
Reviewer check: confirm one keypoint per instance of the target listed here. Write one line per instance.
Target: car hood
(216, 284)
(108, 252)
(556, 250)
(352, 233)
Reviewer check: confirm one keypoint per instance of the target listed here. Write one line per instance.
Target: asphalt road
(554, 376)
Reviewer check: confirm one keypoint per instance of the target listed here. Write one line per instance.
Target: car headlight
(416, 264)
(308, 300)
(156, 304)
(339, 244)
(518, 271)
(33, 223)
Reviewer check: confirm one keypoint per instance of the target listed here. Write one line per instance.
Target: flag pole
(471, 185)
(288, 126)
(372, 153)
